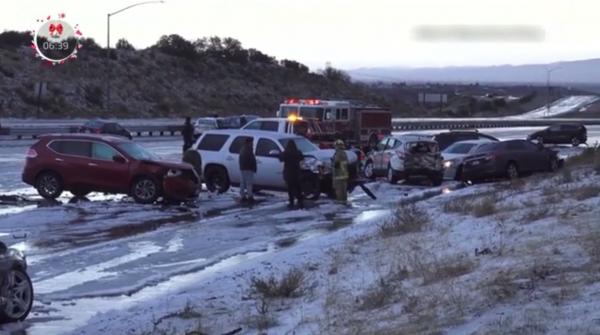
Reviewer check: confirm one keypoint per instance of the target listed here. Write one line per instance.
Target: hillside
(175, 77)
(572, 72)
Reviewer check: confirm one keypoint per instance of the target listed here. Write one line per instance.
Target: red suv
(82, 163)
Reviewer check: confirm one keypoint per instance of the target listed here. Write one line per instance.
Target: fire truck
(356, 123)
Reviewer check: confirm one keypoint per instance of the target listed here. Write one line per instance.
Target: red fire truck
(355, 123)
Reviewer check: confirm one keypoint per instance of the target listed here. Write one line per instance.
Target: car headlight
(448, 164)
(312, 164)
(173, 173)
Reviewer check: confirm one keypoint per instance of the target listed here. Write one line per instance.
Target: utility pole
(548, 74)
(108, 68)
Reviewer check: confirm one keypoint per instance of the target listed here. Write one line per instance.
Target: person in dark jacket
(247, 170)
(291, 159)
(188, 134)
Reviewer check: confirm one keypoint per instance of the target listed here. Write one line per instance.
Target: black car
(235, 122)
(510, 159)
(446, 139)
(16, 291)
(104, 127)
(570, 133)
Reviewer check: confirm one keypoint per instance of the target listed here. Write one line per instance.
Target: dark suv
(82, 163)
(508, 159)
(104, 127)
(446, 139)
(570, 133)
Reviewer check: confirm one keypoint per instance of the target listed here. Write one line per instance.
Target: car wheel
(437, 179)
(392, 178)
(80, 193)
(145, 190)
(368, 170)
(553, 165)
(311, 188)
(512, 172)
(217, 179)
(459, 171)
(19, 296)
(49, 185)
(575, 142)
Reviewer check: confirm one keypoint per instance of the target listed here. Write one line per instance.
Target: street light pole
(548, 74)
(108, 68)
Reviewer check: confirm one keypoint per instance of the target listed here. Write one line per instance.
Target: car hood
(325, 155)
(170, 164)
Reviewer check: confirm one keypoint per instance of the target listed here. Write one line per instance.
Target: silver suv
(219, 151)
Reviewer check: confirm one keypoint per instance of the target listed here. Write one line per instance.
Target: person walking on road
(291, 159)
(340, 172)
(247, 169)
(188, 134)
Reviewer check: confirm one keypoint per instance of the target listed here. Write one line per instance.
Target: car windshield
(137, 151)
(459, 148)
(302, 144)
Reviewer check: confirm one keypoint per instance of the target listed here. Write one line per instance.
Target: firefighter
(188, 134)
(340, 172)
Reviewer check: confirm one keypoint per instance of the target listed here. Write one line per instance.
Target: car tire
(437, 180)
(216, 179)
(391, 176)
(19, 296)
(459, 171)
(575, 141)
(512, 171)
(368, 171)
(49, 185)
(80, 193)
(553, 165)
(145, 190)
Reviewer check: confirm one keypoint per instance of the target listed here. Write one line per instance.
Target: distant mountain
(572, 72)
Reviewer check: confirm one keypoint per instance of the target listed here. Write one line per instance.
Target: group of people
(291, 158)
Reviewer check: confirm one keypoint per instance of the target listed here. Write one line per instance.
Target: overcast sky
(347, 33)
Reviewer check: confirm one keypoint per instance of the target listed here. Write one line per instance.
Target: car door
(104, 173)
(518, 152)
(553, 135)
(71, 160)
(388, 152)
(269, 169)
(378, 155)
(232, 160)
(537, 156)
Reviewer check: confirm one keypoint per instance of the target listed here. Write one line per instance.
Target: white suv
(219, 152)
(404, 156)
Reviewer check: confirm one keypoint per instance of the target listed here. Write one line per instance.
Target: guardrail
(18, 132)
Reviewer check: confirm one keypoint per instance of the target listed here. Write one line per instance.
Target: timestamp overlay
(56, 40)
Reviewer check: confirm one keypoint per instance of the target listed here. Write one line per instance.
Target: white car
(205, 123)
(219, 151)
(455, 154)
(289, 125)
(404, 156)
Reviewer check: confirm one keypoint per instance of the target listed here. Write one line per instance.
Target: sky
(347, 34)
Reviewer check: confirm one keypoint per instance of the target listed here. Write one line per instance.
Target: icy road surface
(110, 253)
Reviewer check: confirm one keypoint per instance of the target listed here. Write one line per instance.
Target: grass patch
(406, 219)
(485, 207)
(501, 288)
(590, 156)
(381, 294)
(290, 285)
(586, 192)
(536, 214)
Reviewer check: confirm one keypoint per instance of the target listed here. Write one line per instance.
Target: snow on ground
(496, 258)
(558, 107)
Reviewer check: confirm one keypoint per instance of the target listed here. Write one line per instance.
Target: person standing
(247, 170)
(340, 172)
(188, 134)
(291, 159)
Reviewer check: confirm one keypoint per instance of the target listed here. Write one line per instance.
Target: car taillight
(31, 153)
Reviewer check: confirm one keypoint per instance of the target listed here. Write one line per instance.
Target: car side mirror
(118, 159)
(274, 153)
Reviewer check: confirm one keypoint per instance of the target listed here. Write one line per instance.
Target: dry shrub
(383, 292)
(536, 214)
(566, 176)
(586, 192)
(461, 205)
(589, 156)
(438, 270)
(501, 287)
(485, 207)
(291, 285)
(406, 219)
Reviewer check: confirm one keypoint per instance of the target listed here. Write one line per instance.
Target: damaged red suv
(82, 163)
